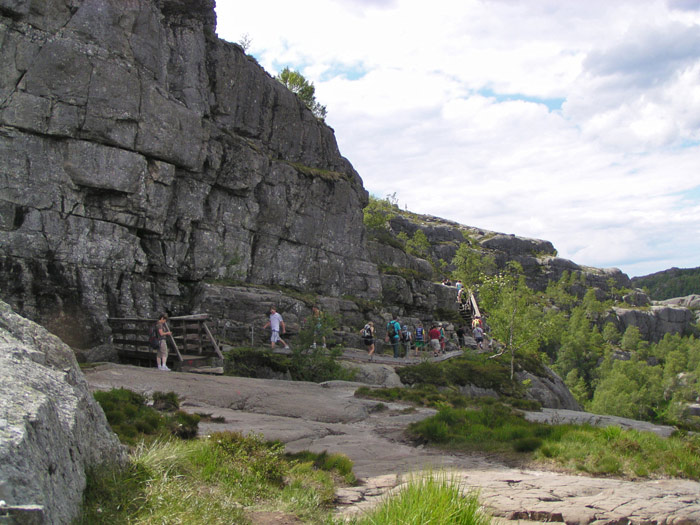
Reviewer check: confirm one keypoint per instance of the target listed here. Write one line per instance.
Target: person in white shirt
(276, 323)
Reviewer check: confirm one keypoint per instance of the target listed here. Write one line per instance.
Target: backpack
(391, 329)
(154, 337)
(404, 334)
(367, 332)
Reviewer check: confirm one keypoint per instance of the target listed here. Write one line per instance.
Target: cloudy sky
(573, 121)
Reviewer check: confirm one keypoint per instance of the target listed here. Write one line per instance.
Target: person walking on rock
(478, 334)
(368, 337)
(276, 323)
(419, 339)
(162, 355)
(406, 338)
(393, 328)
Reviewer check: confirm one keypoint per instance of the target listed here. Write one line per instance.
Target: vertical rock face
(139, 155)
(51, 428)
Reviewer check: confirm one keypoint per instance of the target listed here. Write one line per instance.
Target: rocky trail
(328, 417)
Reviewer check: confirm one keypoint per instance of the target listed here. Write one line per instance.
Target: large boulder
(549, 390)
(51, 428)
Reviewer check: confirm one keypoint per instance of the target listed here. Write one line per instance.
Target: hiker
(392, 335)
(368, 337)
(419, 338)
(443, 338)
(406, 340)
(162, 355)
(458, 284)
(275, 323)
(478, 334)
(460, 336)
(434, 336)
(317, 319)
(477, 322)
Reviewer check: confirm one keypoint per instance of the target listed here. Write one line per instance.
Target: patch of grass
(133, 421)
(609, 451)
(407, 273)
(474, 369)
(209, 480)
(433, 498)
(338, 464)
(316, 365)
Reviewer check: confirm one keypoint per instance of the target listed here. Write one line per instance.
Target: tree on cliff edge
(305, 90)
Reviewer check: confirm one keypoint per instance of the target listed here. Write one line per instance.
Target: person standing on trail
(368, 337)
(406, 340)
(434, 336)
(392, 335)
(317, 320)
(275, 323)
(162, 355)
(419, 339)
(460, 336)
(443, 338)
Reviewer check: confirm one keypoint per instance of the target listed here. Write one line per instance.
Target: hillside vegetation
(571, 327)
(668, 284)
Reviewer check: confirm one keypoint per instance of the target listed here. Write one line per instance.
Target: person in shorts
(368, 338)
(276, 323)
(434, 337)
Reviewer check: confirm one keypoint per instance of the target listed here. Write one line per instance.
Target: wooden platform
(191, 343)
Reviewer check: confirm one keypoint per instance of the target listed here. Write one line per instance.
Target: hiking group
(402, 338)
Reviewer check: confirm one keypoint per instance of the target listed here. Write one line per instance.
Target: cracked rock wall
(140, 155)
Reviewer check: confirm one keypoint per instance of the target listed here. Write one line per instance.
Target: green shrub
(132, 420)
(527, 444)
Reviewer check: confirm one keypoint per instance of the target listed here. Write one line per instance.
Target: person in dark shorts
(368, 337)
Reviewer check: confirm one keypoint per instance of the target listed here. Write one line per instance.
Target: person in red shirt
(434, 336)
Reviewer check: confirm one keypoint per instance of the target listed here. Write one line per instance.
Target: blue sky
(575, 122)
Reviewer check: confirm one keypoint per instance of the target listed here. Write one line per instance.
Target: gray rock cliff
(147, 165)
(141, 155)
(51, 428)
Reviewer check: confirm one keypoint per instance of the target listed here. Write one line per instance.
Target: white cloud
(575, 122)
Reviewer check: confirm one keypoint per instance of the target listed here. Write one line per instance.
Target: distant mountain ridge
(667, 284)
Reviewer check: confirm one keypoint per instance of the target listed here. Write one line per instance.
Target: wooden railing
(190, 337)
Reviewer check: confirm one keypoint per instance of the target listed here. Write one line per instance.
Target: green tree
(515, 317)
(377, 213)
(611, 334)
(631, 338)
(305, 90)
(472, 266)
(418, 245)
(630, 389)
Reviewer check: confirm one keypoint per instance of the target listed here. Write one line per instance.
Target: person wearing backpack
(419, 338)
(162, 333)
(392, 335)
(367, 334)
(406, 340)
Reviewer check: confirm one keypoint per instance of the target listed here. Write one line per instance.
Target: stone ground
(328, 417)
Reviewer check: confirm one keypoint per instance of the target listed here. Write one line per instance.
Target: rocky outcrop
(549, 390)
(689, 301)
(654, 322)
(51, 428)
(143, 156)
(149, 166)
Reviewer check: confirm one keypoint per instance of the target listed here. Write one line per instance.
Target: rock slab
(308, 416)
(51, 428)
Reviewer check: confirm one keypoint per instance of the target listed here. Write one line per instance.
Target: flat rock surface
(328, 417)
